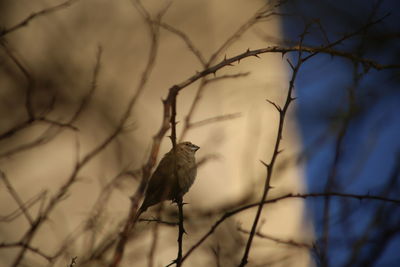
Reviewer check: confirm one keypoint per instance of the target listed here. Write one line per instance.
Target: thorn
(271, 187)
(248, 50)
(275, 105)
(225, 58)
(279, 151)
(257, 56)
(292, 98)
(238, 60)
(283, 54)
(265, 164)
(215, 73)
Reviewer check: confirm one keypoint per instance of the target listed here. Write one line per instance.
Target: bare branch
(187, 41)
(278, 199)
(214, 119)
(279, 240)
(26, 246)
(16, 197)
(35, 15)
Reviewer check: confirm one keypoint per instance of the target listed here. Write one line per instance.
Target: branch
(279, 240)
(34, 15)
(187, 41)
(26, 246)
(214, 119)
(146, 169)
(16, 197)
(278, 199)
(270, 166)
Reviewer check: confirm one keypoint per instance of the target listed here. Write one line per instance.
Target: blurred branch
(29, 203)
(154, 242)
(62, 191)
(159, 221)
(51, 131)
(187, 41)
(29, 80)
(16, 197)
(227, 76)
(35, 15)
(146, 169)
(264, 12)
(73, 261)
(26, 246)
(214, 119)
(279, 240)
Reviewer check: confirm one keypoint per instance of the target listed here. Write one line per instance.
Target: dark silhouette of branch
(278, 199)
(270, 166)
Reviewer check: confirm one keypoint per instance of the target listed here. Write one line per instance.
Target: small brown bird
(173, 176)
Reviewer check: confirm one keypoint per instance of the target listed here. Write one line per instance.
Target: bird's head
(188, 146)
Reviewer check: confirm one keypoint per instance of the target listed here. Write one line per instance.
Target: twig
(187, 41)
(160, 222)
(29, 203)
(279, 240)
(30, 82)
(16, 197)
(24, 245)
(34, 15)
(214, 119)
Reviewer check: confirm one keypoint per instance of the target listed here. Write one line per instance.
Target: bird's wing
(161, 183)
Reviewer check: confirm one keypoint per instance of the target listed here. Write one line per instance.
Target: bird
(173, 176)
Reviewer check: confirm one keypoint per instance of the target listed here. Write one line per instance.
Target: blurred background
(347, 117)
(81, 88)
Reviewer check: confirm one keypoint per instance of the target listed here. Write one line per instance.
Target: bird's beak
(196, 147)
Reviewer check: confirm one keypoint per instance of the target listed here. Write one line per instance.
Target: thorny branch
(270, 166)
(278, 199)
